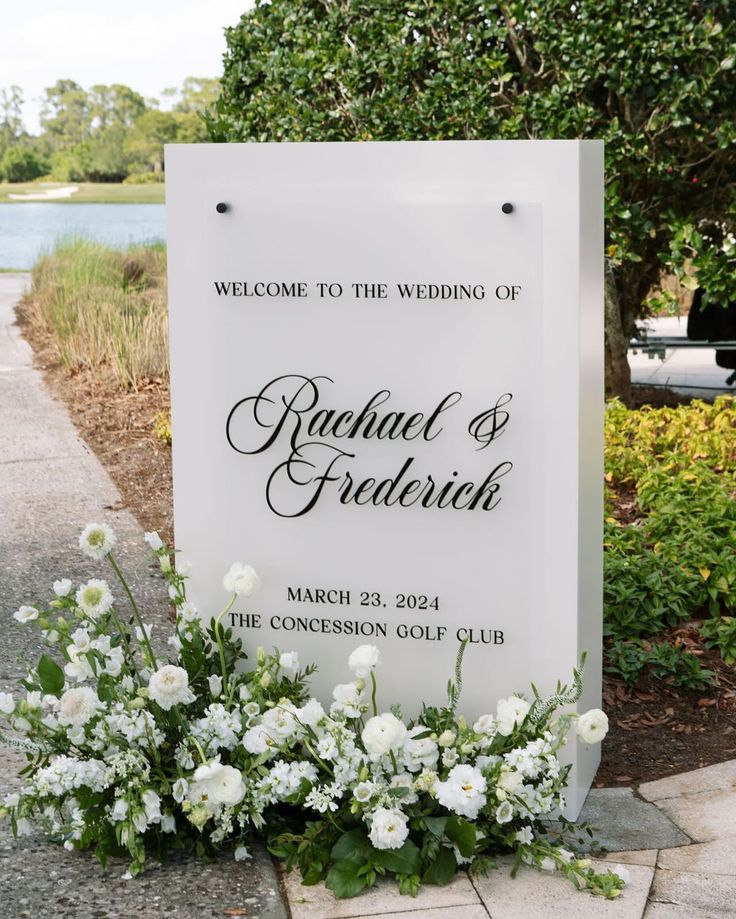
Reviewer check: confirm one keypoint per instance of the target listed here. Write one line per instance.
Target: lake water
(27, 230)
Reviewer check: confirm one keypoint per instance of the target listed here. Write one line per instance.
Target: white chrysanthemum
(7, 703)
(463, 792)
(63, 587)
(169, 686)
(388, 828)
(289, 663)
(26, 614)
(219, 784)
(383, 733)
(510, 714)
(363, 660)
(97, 540)
(241, 580)
(592, 727)
(154, 540)
(94, 598)
(77, 706)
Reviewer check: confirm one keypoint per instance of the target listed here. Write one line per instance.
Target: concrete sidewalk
(678, 836)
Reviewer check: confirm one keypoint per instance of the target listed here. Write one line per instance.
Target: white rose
(592, 727)
(363, 660)
(388, 828)
(383, 733)
(169, 686)
(510, 713)
(241, 580)
(221, 784)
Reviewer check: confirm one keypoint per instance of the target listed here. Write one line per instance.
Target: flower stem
(220, 646)
(136, 611)
(373, 694)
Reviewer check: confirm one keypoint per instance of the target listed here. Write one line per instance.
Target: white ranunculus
(363, 660)
(510, 781)
(383, 733)
(592, 727)
(419, 753)
(26, 614)
(153, 540)
(7, 703)
(169, 686)
(388, 828)
(94, 598)
(289, 663)
(220, 784)
(241, 579)
(77, 706)
(510, 714)
(97, 540)
(63, 587)
(463, 792)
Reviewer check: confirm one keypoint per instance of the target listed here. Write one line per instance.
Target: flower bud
(199, 816)
(446, 739)
(266, 680)
(260, 655)
(165, 563)
(61, 624)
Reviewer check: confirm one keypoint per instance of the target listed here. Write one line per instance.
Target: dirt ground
(656, 730)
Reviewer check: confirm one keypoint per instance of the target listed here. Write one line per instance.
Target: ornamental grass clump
(130, 752)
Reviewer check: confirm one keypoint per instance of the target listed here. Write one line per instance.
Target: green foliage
(676, 557)
(654, 81)
(720, 633)
(629, 659)
(21, 164)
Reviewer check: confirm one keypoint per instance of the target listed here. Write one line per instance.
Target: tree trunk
(618, 372)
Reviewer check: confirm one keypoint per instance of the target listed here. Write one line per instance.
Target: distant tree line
(103, 134)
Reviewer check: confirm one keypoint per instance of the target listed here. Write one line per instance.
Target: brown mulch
(656, 730)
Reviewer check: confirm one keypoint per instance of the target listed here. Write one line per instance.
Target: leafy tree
(115, 106)
(11, 117)
(145, 144)
(653, 79)
(66, 114)
(21, 164)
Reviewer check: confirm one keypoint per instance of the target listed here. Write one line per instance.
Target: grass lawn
(89, 192)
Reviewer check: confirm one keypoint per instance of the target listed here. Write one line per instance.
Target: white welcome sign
(386, 370)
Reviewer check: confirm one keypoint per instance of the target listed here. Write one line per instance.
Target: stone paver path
(677, 836)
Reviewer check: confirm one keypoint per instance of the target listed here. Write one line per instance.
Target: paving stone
(700, 893)
(640, 857)
(317, 902)
(706, 816)
(670, 911)
(622, 822)
(711, 778)
(717, 857)
(454, 912)
(535, 894)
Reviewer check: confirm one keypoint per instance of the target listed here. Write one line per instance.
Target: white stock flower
(169, 686)
(7, 703)
(153, 540)
(383, 733)
(510, 713)
(97, 540)
(94, 598)
(388, 828)
(26, 614)
(463, 792)
(420, 752)
(363, 660)
(592, 727)
(63, 587)
(348, 700)
(241, 579)
(77, 706)
(289, 663)
(220, 784)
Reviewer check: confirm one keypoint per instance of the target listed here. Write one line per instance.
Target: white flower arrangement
(131, 753)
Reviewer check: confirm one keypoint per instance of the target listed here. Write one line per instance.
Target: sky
(147, 44)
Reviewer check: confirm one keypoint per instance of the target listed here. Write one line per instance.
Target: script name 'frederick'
(287, 412)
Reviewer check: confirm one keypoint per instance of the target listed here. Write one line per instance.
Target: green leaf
(50, 675)
(406, 860)
(436, 825)
(343, 879)
(462, 833)
(354, 845)
(443, 868)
